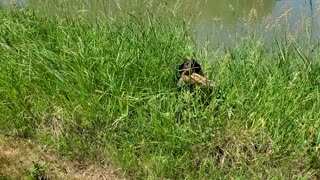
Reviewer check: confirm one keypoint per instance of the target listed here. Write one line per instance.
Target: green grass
(107, 90)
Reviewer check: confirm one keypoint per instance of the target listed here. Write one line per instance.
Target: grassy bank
(106, 92)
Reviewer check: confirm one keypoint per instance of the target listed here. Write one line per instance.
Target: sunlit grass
(85, 88)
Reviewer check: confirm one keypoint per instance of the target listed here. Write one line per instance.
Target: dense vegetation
(106, 90)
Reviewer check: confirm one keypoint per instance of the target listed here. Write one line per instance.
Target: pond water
(215, 22)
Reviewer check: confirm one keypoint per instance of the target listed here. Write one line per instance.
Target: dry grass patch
(21, 158)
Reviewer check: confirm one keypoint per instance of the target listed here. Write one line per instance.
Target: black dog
(191, 80)
(190, 74)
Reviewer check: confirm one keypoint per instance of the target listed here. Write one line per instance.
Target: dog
(190, 74)
(196, 89)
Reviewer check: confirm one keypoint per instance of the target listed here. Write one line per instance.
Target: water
(225, 22)
(215, 22)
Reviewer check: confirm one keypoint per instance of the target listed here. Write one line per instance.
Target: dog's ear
(197, 67)
(196, 64)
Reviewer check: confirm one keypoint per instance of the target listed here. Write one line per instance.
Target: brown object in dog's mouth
(195, 78)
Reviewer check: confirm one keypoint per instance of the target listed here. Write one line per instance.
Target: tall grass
(107, 91)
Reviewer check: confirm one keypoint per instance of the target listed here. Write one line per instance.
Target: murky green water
(215, 22)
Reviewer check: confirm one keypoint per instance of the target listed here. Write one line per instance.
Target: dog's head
(190, 66)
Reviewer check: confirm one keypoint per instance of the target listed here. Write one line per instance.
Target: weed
(36, 171)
